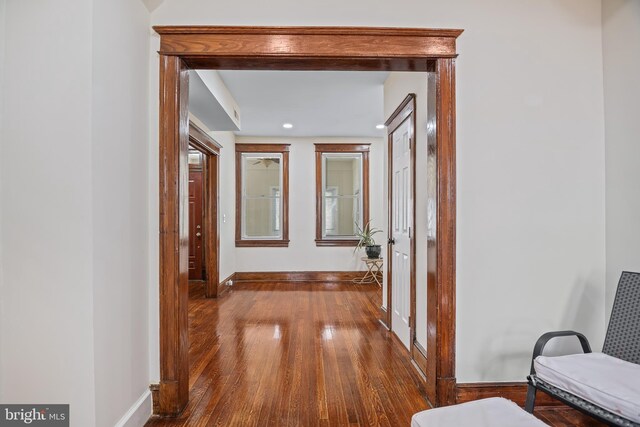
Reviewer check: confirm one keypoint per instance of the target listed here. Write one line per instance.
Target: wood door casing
(287, 48)
(196, 229)
(209, 150)
(404, 117)
(401, 256)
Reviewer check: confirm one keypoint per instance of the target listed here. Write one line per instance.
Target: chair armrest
(545, 338)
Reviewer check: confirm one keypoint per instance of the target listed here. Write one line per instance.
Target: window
(275, 209)
(262, 194)
(342, 193)
(330, 209)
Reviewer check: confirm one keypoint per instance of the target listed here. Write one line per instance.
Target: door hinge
(409, 232)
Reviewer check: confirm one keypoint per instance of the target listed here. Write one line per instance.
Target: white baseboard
(139, 412)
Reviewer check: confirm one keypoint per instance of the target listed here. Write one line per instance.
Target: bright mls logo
(34, 415)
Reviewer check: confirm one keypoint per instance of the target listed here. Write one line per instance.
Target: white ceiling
(317, 103)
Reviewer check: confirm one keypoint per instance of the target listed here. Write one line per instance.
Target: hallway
(297, 354)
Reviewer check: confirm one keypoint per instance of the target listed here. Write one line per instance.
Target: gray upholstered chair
(604, 385)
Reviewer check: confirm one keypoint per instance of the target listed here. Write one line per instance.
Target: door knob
(198, 234)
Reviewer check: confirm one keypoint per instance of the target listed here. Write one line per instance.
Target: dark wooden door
(196, 231)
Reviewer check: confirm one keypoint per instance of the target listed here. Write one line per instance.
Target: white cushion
(605, 381)
(493, 412)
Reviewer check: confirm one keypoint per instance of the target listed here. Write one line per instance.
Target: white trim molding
(139, 413)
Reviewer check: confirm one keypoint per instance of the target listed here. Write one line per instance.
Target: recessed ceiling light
(379, 126)
(287, 125)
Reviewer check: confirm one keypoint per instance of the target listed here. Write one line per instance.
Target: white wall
(530, 159)
(621, 46)
(530, 126)
(120, 166)
(227, 202)
(223, 99)
(302, 253)
(154, 211)
(46, 199)
(530, 184)
(226, 197)
(2, 43)
(396, 88)
(73, 228)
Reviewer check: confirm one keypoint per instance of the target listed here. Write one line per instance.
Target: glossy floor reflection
(299, 354)
(302, 354)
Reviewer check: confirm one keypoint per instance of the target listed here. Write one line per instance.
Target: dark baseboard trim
(222, 286)
(298, 276)
(404, 349)
(155, 396)
(514, 391)
(419, 357)
(384, 317)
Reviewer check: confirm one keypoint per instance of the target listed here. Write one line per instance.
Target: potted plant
(366, 240)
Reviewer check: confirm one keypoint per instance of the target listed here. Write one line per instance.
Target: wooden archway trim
(298, 48)
(308, 48)
(441, 309)
(301, 42)
(202, 140)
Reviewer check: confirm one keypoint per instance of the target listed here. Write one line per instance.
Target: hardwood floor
(297, 354)
(566, 417)
(300, 354)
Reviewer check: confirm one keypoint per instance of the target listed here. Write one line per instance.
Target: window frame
(362, 149)
(282, 149)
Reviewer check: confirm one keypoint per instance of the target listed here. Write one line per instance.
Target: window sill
(262, 243)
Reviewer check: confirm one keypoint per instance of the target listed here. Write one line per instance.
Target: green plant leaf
(365, 235)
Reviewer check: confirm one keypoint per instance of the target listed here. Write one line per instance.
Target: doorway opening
(203, 188)
(300, 49)
(405, 317)
(197, 233)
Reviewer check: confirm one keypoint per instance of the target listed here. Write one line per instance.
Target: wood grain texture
(211, 224)
(307, 42)
(308, 48)
(548, 409)
(515, 391)
(262, 243)
(301, 30)
(263, 148)
(231, 277)
(300, 276)
(311, 64)
(304, 354)
(201, 140)
(362, 149)
(174, 235)
(210, 149)
(222, 286)
(441, 289)
(155, 398)
(342, 148)
(419, 356)
(432, 235)
(385, 317)
(297, 354)
(566, 417)
(197, 229)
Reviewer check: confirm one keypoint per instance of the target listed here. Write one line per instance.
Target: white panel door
(401, 225)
